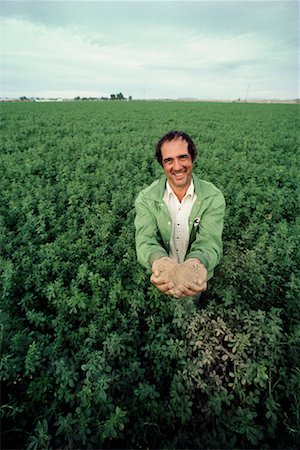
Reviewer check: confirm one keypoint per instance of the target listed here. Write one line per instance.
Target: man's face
(177, 163)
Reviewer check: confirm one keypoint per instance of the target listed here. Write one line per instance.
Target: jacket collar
(202, 188)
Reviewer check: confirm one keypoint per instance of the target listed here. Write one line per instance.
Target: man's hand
(179, 280)
(164, 274)
(191, 279)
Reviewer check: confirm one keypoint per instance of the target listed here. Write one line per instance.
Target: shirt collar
(190, 191)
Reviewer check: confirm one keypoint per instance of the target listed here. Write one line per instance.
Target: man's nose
(177, 164)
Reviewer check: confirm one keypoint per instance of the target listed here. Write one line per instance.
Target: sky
(208, 50)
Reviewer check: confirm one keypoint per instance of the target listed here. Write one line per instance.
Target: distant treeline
(118, 96)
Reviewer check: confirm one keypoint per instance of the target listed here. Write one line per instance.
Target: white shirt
(179, 213)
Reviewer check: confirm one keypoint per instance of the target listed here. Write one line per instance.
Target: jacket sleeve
(207, 245)
(148, 242)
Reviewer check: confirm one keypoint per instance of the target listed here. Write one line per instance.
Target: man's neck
(180, 191)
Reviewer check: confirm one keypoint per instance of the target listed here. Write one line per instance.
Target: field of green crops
(92, 355)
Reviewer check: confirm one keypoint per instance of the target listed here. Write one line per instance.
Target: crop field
(92, 355)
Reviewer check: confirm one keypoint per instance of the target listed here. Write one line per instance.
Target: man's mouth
(178, 174)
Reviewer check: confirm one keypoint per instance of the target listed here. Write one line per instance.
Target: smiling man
(179, 222)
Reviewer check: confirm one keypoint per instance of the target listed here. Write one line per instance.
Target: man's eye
(183, 157)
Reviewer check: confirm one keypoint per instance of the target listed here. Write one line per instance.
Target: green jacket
(153, 224)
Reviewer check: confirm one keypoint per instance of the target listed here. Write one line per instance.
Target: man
(179, 222)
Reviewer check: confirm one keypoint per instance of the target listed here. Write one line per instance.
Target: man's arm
(207, 246)
(150, 253)
(148, 247)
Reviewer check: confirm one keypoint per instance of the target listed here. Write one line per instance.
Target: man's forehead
(175, 145)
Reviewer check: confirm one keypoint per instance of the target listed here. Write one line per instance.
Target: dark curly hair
(170, 136)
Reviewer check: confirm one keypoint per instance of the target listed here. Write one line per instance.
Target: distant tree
(118, 96)
(77, 98)
(130, 97)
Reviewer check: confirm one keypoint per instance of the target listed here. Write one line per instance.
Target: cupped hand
(164, 274)
(191, 279)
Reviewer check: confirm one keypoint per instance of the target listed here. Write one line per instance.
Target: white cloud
(169, 59)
